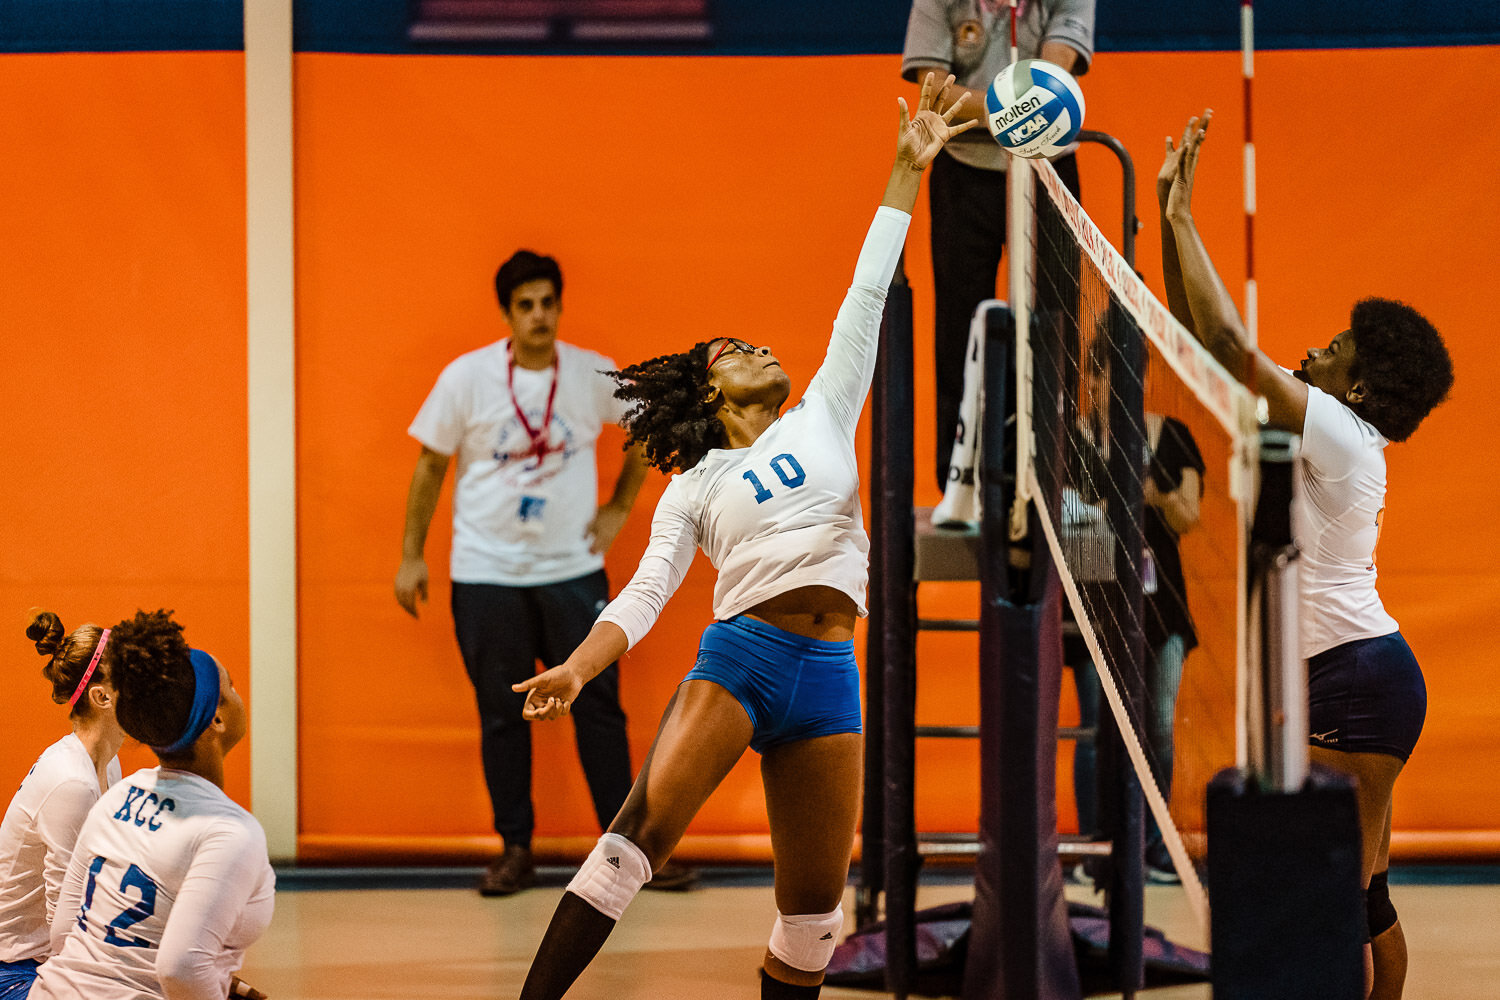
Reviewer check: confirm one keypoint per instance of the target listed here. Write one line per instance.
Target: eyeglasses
(730, 343)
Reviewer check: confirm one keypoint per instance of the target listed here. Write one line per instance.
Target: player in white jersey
(169, 881)
(773, 500)
(1373, 384)
(42, 822)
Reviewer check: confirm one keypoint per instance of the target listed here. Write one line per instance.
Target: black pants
(502, 633)
(968, 235)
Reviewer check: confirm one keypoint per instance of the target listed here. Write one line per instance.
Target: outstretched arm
(1216, 320)
(843, 380)
(669, 553)
(920, 137)
(1171, 267)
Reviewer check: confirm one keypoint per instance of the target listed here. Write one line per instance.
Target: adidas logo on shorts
(827, 937)
(613, 861)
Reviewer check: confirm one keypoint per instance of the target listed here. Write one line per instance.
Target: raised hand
(926, 132)
(550, 694)
(1174, 183)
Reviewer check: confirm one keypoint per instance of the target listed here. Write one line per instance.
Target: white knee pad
(806, 940)
(611, 875)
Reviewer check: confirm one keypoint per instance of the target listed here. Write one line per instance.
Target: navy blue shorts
(1366, 696)
(792, 687)
(16, 978)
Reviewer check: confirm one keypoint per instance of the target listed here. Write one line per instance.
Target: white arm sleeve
(674, 541)
(227, 871)
(58, 821)
(69, 900)
(843, 380)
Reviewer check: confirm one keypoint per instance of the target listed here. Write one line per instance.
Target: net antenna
(1247, 65)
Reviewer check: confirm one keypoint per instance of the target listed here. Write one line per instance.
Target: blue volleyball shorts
(16, 979)
(792, 687)
(1366, 696)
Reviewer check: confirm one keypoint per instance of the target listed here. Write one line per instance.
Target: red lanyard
(538, 435)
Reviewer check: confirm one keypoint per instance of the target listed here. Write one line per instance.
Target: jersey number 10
(787, 470)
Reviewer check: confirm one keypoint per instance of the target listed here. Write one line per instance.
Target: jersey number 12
(134, 879)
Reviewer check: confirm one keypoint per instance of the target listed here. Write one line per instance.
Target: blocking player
(1373, 384)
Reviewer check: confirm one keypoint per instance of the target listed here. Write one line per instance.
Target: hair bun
(46, 630)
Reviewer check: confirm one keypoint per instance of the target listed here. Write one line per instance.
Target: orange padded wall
(122, 364)
(689, 198)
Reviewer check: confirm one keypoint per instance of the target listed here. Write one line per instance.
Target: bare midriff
(815, 612)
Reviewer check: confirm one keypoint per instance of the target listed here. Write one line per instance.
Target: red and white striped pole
(1247, 58)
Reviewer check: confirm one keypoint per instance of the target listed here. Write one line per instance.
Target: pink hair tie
(93, 663)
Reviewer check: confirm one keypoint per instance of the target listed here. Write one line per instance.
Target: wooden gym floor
(350, 936)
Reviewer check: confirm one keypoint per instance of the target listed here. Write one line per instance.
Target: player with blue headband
(169, 881)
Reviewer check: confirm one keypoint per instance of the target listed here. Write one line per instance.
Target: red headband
(93, 663)
(728, 342)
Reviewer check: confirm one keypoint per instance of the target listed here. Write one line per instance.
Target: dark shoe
(673, 878)
(511, 872)
(1159, 867)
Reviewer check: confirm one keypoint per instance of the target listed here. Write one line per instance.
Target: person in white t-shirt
(773, 500)
(1374, 383)
(522, 417)
(169, 881)
(43, 819)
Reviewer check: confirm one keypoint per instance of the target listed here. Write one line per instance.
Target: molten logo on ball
(1034, 108)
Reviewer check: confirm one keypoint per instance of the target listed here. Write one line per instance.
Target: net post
(1278, 691)
(895, 718)
(1284, 855)
(1020, 944)
(895, 323)
(1126, 646)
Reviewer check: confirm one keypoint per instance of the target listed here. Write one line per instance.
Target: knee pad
(806, 941)
(612, 874)
(1379, 912)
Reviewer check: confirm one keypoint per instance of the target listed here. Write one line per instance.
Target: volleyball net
(1135, 451)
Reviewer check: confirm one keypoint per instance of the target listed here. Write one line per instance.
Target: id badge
(530, 510)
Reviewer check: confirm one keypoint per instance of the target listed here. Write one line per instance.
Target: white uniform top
(517, 521)
(168, 886)
(1343, 489)
(783, 513)
(36, 841)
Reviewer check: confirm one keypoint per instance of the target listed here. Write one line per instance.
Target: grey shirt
(971, 40)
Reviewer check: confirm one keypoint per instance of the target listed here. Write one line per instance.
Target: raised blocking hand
(1174, 183)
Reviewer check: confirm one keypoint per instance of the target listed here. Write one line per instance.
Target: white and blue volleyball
(1034, 108)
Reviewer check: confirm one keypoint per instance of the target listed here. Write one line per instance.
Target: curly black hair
(1402, 362)
(153, 676)
(675, 416)
(68, 656)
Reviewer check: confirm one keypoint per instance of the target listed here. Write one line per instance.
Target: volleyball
(1034, 108)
